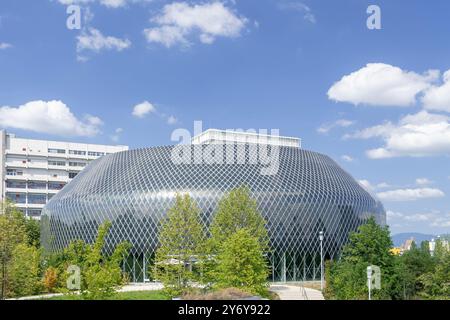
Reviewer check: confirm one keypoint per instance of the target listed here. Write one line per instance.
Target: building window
(77, 152)
(59, 151)
(34, 212)
(56, 163)
(16, 184)
(14, 172)
(16, 197)
(96, 154)
(37, 198)
(55, 186)
(37, 185)
(72, 175)
(76, 164)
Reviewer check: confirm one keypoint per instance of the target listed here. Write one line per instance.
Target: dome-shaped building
(134, 189)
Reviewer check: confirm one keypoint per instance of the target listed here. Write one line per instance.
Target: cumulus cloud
(423, 181)
(438, 97)
(142, 109)
(179, 20)
(410, 194)
(432, 219)
(366, 185)
(299, 7)
(172, 120)
(380, 84)
(347, 158)
(417, 135)
(106, 3)
(116, 136)
(50, 117)
(4, 45)
(342, 123)
(94, 40)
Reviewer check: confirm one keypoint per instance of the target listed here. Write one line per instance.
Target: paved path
(284, 291)
(292, 292)
(149, 286)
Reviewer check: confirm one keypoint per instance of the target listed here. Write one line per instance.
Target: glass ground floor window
(288, 266)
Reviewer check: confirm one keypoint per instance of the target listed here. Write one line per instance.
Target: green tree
(413, 264)
(24, 271)
(241, 264)
(347, 278)
(33, 231)
(102, 274)
(238, 210)
(436, 283)
(12, 233)
(181, 239)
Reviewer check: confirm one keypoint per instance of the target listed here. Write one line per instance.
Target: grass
(133, 295)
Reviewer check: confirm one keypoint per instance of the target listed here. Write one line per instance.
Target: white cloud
(106, 3)
(423, 181)
(380, 84)
(438, 97)
(179, 20)
(366, 184)
(347, 158)
(432, 219)
(410, 194)
(116, 136)
(94, 40)
(172, 120)
(342, 123)
(51, 117)
(142, 109)
(417, 135)
(300, 7)
(383, 185)
(4, 45)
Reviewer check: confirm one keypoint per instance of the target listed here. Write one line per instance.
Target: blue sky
(376, 101)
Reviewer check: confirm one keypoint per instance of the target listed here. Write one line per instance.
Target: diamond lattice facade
(134, 189)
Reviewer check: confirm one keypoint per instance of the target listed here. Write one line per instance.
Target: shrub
(50, 279)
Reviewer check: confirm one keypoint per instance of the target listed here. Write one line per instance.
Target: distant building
(407, 245)
(33, 171)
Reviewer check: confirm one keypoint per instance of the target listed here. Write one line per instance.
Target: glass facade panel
(60, 151)
(37, 185)
(77, 152)
(16, 184)
(34, 212)
(17, 197)
(56, 163)
(76, 164)
(37, 198)
(55, 185)
(72, 175)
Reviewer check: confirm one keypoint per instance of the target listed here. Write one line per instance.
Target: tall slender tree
(181, 239)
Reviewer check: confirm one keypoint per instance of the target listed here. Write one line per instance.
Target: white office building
(216, 136)
(32, 171)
